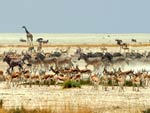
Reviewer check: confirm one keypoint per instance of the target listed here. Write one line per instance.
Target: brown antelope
(121, 82)
(47, 78)
(105, 80)
(136, 81)
(113, 81)
(143, 78)
(84, 71)
(95, 81)
(15, 77)
(35, 78)
(77, 77)
(147, 80)
(26, 77)
(60, 79)
(2, 75)
(109, 75)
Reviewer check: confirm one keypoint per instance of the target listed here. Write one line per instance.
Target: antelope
(147, 80)
(15, 77)
(45, 41)
(47, 78)
(27, 77)
(84, 71)
(95, 81)
(113, 81)
(77, 77)
(2, 75)
(105, 81)
(136, 81)
(121, 82)
(35, 78)
(60, 79)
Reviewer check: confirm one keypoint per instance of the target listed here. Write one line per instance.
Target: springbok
(84, 71)
(76, 77)
(60, 79)
(2, 75)
(136, 81)
(15, 78)
(47, 78)
(95, 81)
(105, 80)
(121, 82)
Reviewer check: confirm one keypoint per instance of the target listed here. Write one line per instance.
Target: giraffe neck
(26, 30)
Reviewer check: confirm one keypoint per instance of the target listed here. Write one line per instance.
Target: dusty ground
(56, 97)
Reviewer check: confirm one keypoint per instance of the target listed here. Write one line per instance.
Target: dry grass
(68, 109)
(63, 110)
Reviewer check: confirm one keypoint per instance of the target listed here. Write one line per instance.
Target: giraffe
(29, 36)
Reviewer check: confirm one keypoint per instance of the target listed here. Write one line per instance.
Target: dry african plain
(76, 100)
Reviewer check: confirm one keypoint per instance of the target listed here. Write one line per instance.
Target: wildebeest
(133, 40)
(39, 40)
(13, 63)
(45, 41)
(23, 40)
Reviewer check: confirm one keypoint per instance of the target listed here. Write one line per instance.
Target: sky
(75, 16)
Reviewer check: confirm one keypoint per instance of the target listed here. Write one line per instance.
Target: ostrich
(28, 34)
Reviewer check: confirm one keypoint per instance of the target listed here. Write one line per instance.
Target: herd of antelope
(61, 65)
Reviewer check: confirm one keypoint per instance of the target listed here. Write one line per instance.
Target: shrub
(128, 83)
(147, 111)
(1, 103)
(71, 84)
(85, 82)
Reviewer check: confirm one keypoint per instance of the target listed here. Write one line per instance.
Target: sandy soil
(56, 97)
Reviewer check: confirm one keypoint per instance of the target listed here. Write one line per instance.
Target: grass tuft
(71, 84)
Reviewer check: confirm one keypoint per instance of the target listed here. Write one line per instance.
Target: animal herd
(62, 65)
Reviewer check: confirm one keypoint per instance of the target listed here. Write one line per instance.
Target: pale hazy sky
(75, 16)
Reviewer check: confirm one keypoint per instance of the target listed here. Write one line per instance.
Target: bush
(85, 82)
(147, 111)
(1, 103)
(71, 84)
(128, 83)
